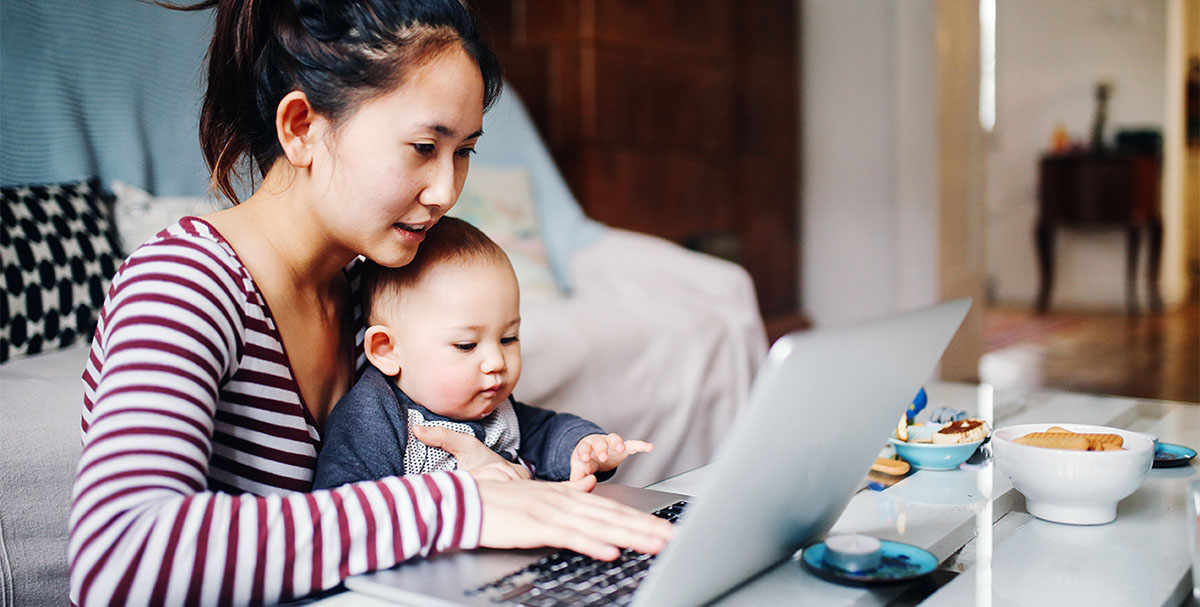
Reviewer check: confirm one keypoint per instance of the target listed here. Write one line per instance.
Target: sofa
(634, 332)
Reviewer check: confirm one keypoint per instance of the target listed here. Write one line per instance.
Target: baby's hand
(600, 453)
(501, 471)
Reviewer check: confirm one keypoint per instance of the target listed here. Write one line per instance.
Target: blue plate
(901, 563)
(928, 456)
(1169, 455)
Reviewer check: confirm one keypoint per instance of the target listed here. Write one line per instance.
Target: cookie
(1104, 442)
(1055, 440)
(1095, 441)
(894, 467)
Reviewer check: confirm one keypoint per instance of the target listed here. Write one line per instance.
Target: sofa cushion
(40, 402)
(59, 248)
(499, 201)
(139, 215)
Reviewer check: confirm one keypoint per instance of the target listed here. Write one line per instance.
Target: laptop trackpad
(647, 500)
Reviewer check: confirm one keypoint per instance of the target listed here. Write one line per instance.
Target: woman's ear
(296, 126)
(381, 350)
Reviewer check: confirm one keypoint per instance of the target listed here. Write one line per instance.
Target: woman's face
(397, 162)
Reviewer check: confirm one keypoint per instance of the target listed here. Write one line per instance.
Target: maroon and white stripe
(194, 486)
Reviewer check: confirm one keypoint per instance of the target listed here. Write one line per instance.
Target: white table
(975, 523)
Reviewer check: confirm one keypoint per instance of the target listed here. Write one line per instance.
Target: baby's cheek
(455, 395)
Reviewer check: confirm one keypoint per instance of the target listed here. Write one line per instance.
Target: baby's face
(456, 338)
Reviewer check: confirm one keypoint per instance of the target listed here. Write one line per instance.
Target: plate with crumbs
(1170, 455)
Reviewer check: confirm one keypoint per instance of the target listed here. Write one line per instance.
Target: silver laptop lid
(818, 415)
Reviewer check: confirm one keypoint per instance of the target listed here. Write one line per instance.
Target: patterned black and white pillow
(58, 246)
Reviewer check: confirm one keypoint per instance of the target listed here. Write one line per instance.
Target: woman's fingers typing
(528, 514)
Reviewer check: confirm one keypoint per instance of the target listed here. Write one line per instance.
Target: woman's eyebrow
(446, 131)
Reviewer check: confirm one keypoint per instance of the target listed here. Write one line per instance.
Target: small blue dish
(900, 563)
(1170, 455)
(928, 456)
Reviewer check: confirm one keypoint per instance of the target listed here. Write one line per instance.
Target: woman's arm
(145, 528)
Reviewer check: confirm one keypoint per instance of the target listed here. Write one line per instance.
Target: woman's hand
(530, 514)
(472, 455)
(603, 452)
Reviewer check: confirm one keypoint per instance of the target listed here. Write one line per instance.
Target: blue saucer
(1170, 455)
(901, 563)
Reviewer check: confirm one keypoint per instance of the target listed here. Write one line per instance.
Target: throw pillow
(499, 201)
(140, 215)
(59, 251)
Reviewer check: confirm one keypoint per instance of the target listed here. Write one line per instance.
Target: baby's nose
(493, 362)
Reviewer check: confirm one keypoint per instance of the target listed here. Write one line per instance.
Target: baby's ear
(381, 350)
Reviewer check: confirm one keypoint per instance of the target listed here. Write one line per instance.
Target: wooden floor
(1147, 356)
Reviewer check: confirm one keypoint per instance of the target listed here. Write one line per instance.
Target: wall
(961, 268)
(867, 178)
(887, 104)
(1049, 56)
(604, 79)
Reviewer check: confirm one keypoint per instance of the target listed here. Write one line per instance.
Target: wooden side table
(1101, 190)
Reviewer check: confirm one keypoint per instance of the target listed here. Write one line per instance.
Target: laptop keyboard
(566, 577)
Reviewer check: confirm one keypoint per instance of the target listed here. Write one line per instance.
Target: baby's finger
(615, 443)
(638, 446)
(584, 452)
(583, 483)
(579, 467)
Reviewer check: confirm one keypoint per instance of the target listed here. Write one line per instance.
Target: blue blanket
(107, 88)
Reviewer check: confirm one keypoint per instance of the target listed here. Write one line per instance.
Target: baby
(443, 344)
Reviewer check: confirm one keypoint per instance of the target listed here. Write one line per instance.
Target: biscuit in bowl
(1061, 438)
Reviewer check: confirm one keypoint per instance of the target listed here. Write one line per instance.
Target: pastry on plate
(961, 431)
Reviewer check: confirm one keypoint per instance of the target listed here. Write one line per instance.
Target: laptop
(820, 410)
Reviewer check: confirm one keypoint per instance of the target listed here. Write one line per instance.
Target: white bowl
(1076, 487)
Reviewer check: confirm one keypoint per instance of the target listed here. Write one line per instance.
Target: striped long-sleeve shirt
(195, 482)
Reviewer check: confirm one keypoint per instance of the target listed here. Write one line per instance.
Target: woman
(227, 339)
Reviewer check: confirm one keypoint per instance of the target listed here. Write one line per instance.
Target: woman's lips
(416, 236)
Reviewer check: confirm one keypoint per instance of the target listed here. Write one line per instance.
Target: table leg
(1155, 227)
(1131, 262)
(1044, 239)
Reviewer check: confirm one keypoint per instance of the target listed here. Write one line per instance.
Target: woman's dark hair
(338, 53)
